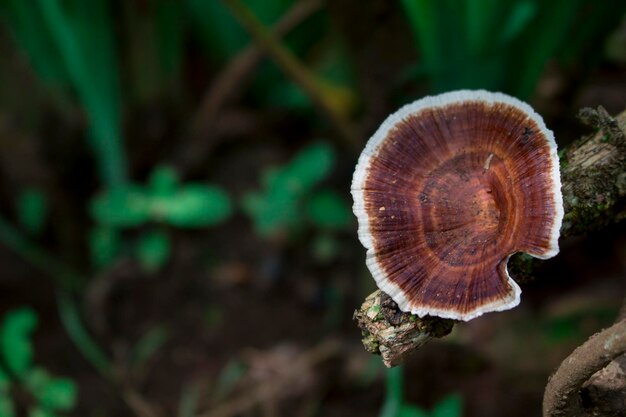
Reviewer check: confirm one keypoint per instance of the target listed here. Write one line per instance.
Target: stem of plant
(297, 71)
(103, 113)
(67, 279)
(394, 392)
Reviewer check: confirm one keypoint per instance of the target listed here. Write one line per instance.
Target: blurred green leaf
(231, 373)
(216, 28)
(121, 207)
(220, 33)
(518, 20)
(31, 32)
(40, 412)
(450, 406)
(149, 344)
(394, 392)
(325, 247)
(60, 37)
(327, 209)
(153, 250)
(280, 205)
(407, 410)
(31, 210)
(309, 166)
(194, 205)
(51, 393)
(78, 28)
(153, 48)
(170, 28)
(272, 214)
(503, 46)
(5, 381)
(36, 379)
(15, 342)
(104, 245)
(6, 405)
(163, 181)
(189, 401)
(191, 205)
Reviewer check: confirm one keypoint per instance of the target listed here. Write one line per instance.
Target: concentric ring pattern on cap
(446, 190)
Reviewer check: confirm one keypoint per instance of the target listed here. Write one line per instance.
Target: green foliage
(223, 37)
(126, 206)
(327, 209)
(31, 210)
(15, 344)
(70, 318)
(193, 206)
(289, 199)
(6, 405)
(104, 245)
(220, 32)
(502, 45)
(153, 250)
(60, 37)
(154, 38)
(163, 201)
(228, 378)
(396, 406)
(149, 344)
(52, 395)
(450, 406)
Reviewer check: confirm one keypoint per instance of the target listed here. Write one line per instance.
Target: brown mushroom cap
(447, 189)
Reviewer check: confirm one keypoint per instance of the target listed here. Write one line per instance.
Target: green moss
(370, 343)
(563, 159)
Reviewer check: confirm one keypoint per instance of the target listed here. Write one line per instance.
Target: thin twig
(293, 68)
(63, 276)
(229, 80)
(561, 397)
(229, 83)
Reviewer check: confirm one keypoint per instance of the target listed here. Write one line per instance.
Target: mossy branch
(593, 176)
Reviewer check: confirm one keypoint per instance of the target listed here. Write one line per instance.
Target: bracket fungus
(446, 190)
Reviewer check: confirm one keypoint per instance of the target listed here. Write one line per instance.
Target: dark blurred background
(176, 236)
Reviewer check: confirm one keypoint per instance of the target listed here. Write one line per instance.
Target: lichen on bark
(593, 172)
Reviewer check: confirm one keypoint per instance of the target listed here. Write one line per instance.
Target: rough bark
(593, 176)
(561, 396)
(569, 392)
(391, 333)
(604, 393)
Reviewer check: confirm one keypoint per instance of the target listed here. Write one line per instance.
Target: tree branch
(561, 397)
(593, 176)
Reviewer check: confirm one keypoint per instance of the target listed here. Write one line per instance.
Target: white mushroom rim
(371, 151)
